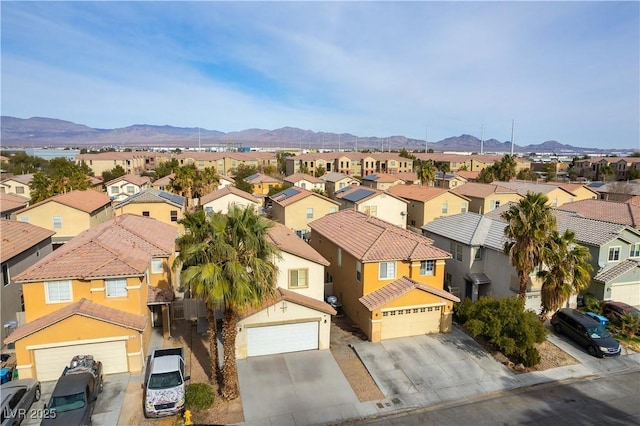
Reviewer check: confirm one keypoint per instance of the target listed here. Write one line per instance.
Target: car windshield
(68, 402)
(598, 332)
(165, 380)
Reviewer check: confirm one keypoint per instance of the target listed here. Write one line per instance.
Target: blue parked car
(602, 320)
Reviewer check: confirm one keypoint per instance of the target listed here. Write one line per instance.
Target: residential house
(473, 163)
(163, 183)
(616, 191)
(448, 180)
(160, 205)
(220, 200)
(296, 318)
(349, 163)
(120, 188)
(608, 211)
(374, 202)
(134, 162)
(591, 168)
(426, 203)
(480, 267)
(485, 197)
(68, 214)
(11, 203)
(296, 207)
(18, 185)
(558, 195)
(262, 183)
(104, 305)
(335, 181)
(305, 181)
(226, 181)
(381, 181)
(409, 178)
(22, 246)
(581, 191)
(389, 280)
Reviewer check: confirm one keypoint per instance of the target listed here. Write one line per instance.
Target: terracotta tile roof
(407, 176)
(370, 239)
(381, 178)
(281, 294)
(19, 236)
(468, 174)
(357, 194)
(523, 187)
(134, 179)
(294, 194)
(164, 181)
(399, 287)
(83, 308)
(609, 274)
(153, 196)
(87, 201)
(335, 177)
(112, 155)
(23, 179)
(228, 179)
(122, 246)
(482, 190)
(10, 202)
(222, 192)
(296, 177)
(289, 242)
(419, 192)
(95, 180)
(157, 295)
(609, 211)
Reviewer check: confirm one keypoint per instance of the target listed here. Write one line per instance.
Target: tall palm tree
(529, 224)
(182, 182)
(426, 172)
(228, 260)
(567, 271)
(206, 181)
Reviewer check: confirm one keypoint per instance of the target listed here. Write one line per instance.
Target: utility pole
(426, 138)
(339, 142)
(356, 144)
(482, 140)
(513, 124)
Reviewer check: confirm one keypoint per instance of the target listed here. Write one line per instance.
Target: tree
(166, 168)
(278, 188)
(320, 191)
(270, 170)
(114, 173)
(239, 175)
(21, 163)
(320, 171)
(426, 171)
(529, 223)
(62, 176)
(40, 187)
(487, 175)
(633, 174)
(527, 174)
(444, 167)
(228, 259)
(182, 182)
(505, 169)
(550, 170)
(567, 270)
(604, 172)
(304, 169)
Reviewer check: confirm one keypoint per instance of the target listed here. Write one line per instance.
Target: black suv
(585, 331)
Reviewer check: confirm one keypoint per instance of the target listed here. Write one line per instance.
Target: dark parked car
(586, 331)
(17, 397)
(615, 310)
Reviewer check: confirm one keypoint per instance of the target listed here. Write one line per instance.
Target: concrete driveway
(108, 405)
(296, 388)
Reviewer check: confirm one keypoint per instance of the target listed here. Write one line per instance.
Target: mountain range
(51, 132)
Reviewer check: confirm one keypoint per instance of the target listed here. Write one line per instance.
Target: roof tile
(399, 287)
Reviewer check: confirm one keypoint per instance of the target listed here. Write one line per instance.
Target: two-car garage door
(50, 362)
(410, 321)
(276, 339)
(627, 293)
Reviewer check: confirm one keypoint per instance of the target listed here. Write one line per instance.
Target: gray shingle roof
(608, 274)
(153, 196)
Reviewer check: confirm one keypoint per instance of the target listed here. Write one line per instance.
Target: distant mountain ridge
(41, 131)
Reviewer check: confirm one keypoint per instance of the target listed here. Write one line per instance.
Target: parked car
(17, 397)
(164, 384)
(586, 331)
(615, 310)
(76, 392)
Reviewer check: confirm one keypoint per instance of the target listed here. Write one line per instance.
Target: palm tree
(567, 272)
(182, 182)
(426, 172)
(40, 187)
(228, 260)
(529, 224)
(206, 181)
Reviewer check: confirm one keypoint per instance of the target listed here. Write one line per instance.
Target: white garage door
(50, 362)
(629, 293)
(278, 339)
(410, 322)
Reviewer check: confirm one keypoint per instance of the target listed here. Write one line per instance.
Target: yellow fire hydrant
(187, 417)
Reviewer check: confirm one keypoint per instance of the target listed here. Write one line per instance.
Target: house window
(116, 288)
(463, 207)
(310, 213)
(298, 278)
(614, 254)
(115, 190)
(635, 250)
(5, 275)
(303, 185)
(19, 189)
(339, 256)
(358, 271)
(371, 210)
(494, 204)
(174, 215)
(387, 270)
(57, 222)
(208, 210)
(427, 267)
(145, 213)
(445, 208)
(129, 189)
(24, 219)
(332, 210)
(456, 251)
(478, 255)
(156, 266)
(57, 291)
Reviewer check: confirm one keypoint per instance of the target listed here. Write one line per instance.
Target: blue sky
(565, 71)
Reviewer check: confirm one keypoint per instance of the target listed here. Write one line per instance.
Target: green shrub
(505, 324)
(199, 396)
(592, 304)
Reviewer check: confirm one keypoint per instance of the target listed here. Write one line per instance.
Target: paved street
(610, 400)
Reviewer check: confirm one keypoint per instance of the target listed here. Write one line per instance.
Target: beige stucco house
(485, 197)
(296, 207)
(18, 184)
(335, 181)
(374, 202)
(160, 205)
(381, 181)
(305, 181)
(221, 199)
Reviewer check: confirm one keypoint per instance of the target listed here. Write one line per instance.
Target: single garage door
(629, 293)
(278, 339)
(50, 362)
(410, 321)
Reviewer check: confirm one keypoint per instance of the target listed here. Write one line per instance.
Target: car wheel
(557, 328)
(592, 351)
(36, 394)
